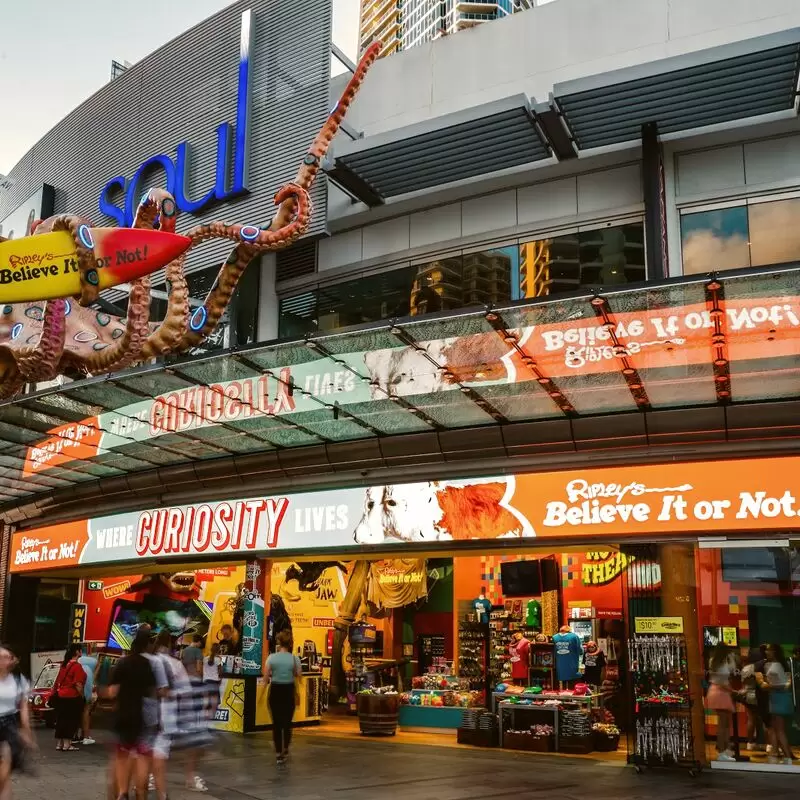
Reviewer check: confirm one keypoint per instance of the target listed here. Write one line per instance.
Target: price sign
(730, 637)
(658, 624)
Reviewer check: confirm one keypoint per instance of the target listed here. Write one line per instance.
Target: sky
(55, 54)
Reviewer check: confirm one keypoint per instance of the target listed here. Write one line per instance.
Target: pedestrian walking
(756, 701)
(68, 694)
(720, 699)
(283, 670)
(182, 723)
(135, 688)
(15, 728)
(90, 667)
(192, 657)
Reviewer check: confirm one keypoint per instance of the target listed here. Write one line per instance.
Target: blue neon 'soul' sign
(229, 140)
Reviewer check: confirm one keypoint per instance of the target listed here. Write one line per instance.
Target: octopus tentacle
(86, 261)
(312, 162)
(165, 338)
(136, 342)
(255, 240)
(40, 362)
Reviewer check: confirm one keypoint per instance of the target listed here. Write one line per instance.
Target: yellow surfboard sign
(46, 267)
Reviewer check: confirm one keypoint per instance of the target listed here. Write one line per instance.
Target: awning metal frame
(30, 420)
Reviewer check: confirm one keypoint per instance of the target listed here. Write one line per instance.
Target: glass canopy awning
(687, 343)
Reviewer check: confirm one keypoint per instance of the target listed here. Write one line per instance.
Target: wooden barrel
(377, 714)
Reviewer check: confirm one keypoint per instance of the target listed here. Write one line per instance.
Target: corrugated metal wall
(183, 92)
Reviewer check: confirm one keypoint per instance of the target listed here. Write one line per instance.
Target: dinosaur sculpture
(40, 341)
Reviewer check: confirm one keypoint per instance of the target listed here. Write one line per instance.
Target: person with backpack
(68, 696)
(15, 725)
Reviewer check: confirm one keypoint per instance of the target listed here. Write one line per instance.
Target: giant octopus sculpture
(39, 342)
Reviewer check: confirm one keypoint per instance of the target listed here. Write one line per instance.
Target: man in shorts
(135, 686)
(90, 667)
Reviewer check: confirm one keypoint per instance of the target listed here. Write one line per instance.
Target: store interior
(444, 643)
(541, 652)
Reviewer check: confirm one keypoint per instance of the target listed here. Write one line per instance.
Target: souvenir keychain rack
(661, 734)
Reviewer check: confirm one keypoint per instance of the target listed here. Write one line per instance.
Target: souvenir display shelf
(500, 697)
(662, 732)
(439, 704)
(474, 655)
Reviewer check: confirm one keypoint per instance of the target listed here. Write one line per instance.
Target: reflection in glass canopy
(684, 343)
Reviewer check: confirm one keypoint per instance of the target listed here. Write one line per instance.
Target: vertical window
(715, 240)
(774, 232)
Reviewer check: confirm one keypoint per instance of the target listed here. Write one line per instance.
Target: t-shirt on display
(568, 656)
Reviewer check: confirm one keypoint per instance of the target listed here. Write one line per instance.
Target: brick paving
(323, 768)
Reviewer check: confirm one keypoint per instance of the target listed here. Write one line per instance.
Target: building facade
(547, 308)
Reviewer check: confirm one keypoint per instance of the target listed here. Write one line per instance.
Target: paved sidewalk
(323, 768)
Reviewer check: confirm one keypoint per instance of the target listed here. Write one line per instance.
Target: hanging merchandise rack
(473, 655)
(662, 733)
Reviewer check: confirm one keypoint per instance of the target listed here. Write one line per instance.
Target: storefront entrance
(749, 621)
(576, 612)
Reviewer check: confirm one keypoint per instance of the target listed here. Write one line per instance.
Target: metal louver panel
(721, 84)
(296, 261)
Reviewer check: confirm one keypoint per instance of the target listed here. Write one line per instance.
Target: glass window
(715, 240)
(449, 282)
(585, 260)
(298, 315)
(494, 276)
(758, 234)
(366, 299)
(774, 232)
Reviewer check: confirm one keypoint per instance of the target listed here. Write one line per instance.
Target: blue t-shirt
(482, 608)
(89, 664)
(568, 655)
(283, 666)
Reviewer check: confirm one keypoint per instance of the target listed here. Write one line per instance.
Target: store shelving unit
(474, 655)
(539, 713)
(662, 733)
(503, 626)
(591, 700)
(443, 719)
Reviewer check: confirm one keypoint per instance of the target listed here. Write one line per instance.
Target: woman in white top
(722, 667)
(212, 671)
(15, 726)
(777, 680)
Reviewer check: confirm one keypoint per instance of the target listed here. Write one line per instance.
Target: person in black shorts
(135, 688)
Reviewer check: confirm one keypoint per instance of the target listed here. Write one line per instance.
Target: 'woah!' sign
(232, 145)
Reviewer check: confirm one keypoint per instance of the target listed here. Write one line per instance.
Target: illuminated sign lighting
(176, 172)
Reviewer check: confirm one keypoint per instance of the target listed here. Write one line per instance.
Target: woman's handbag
(55, 696)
